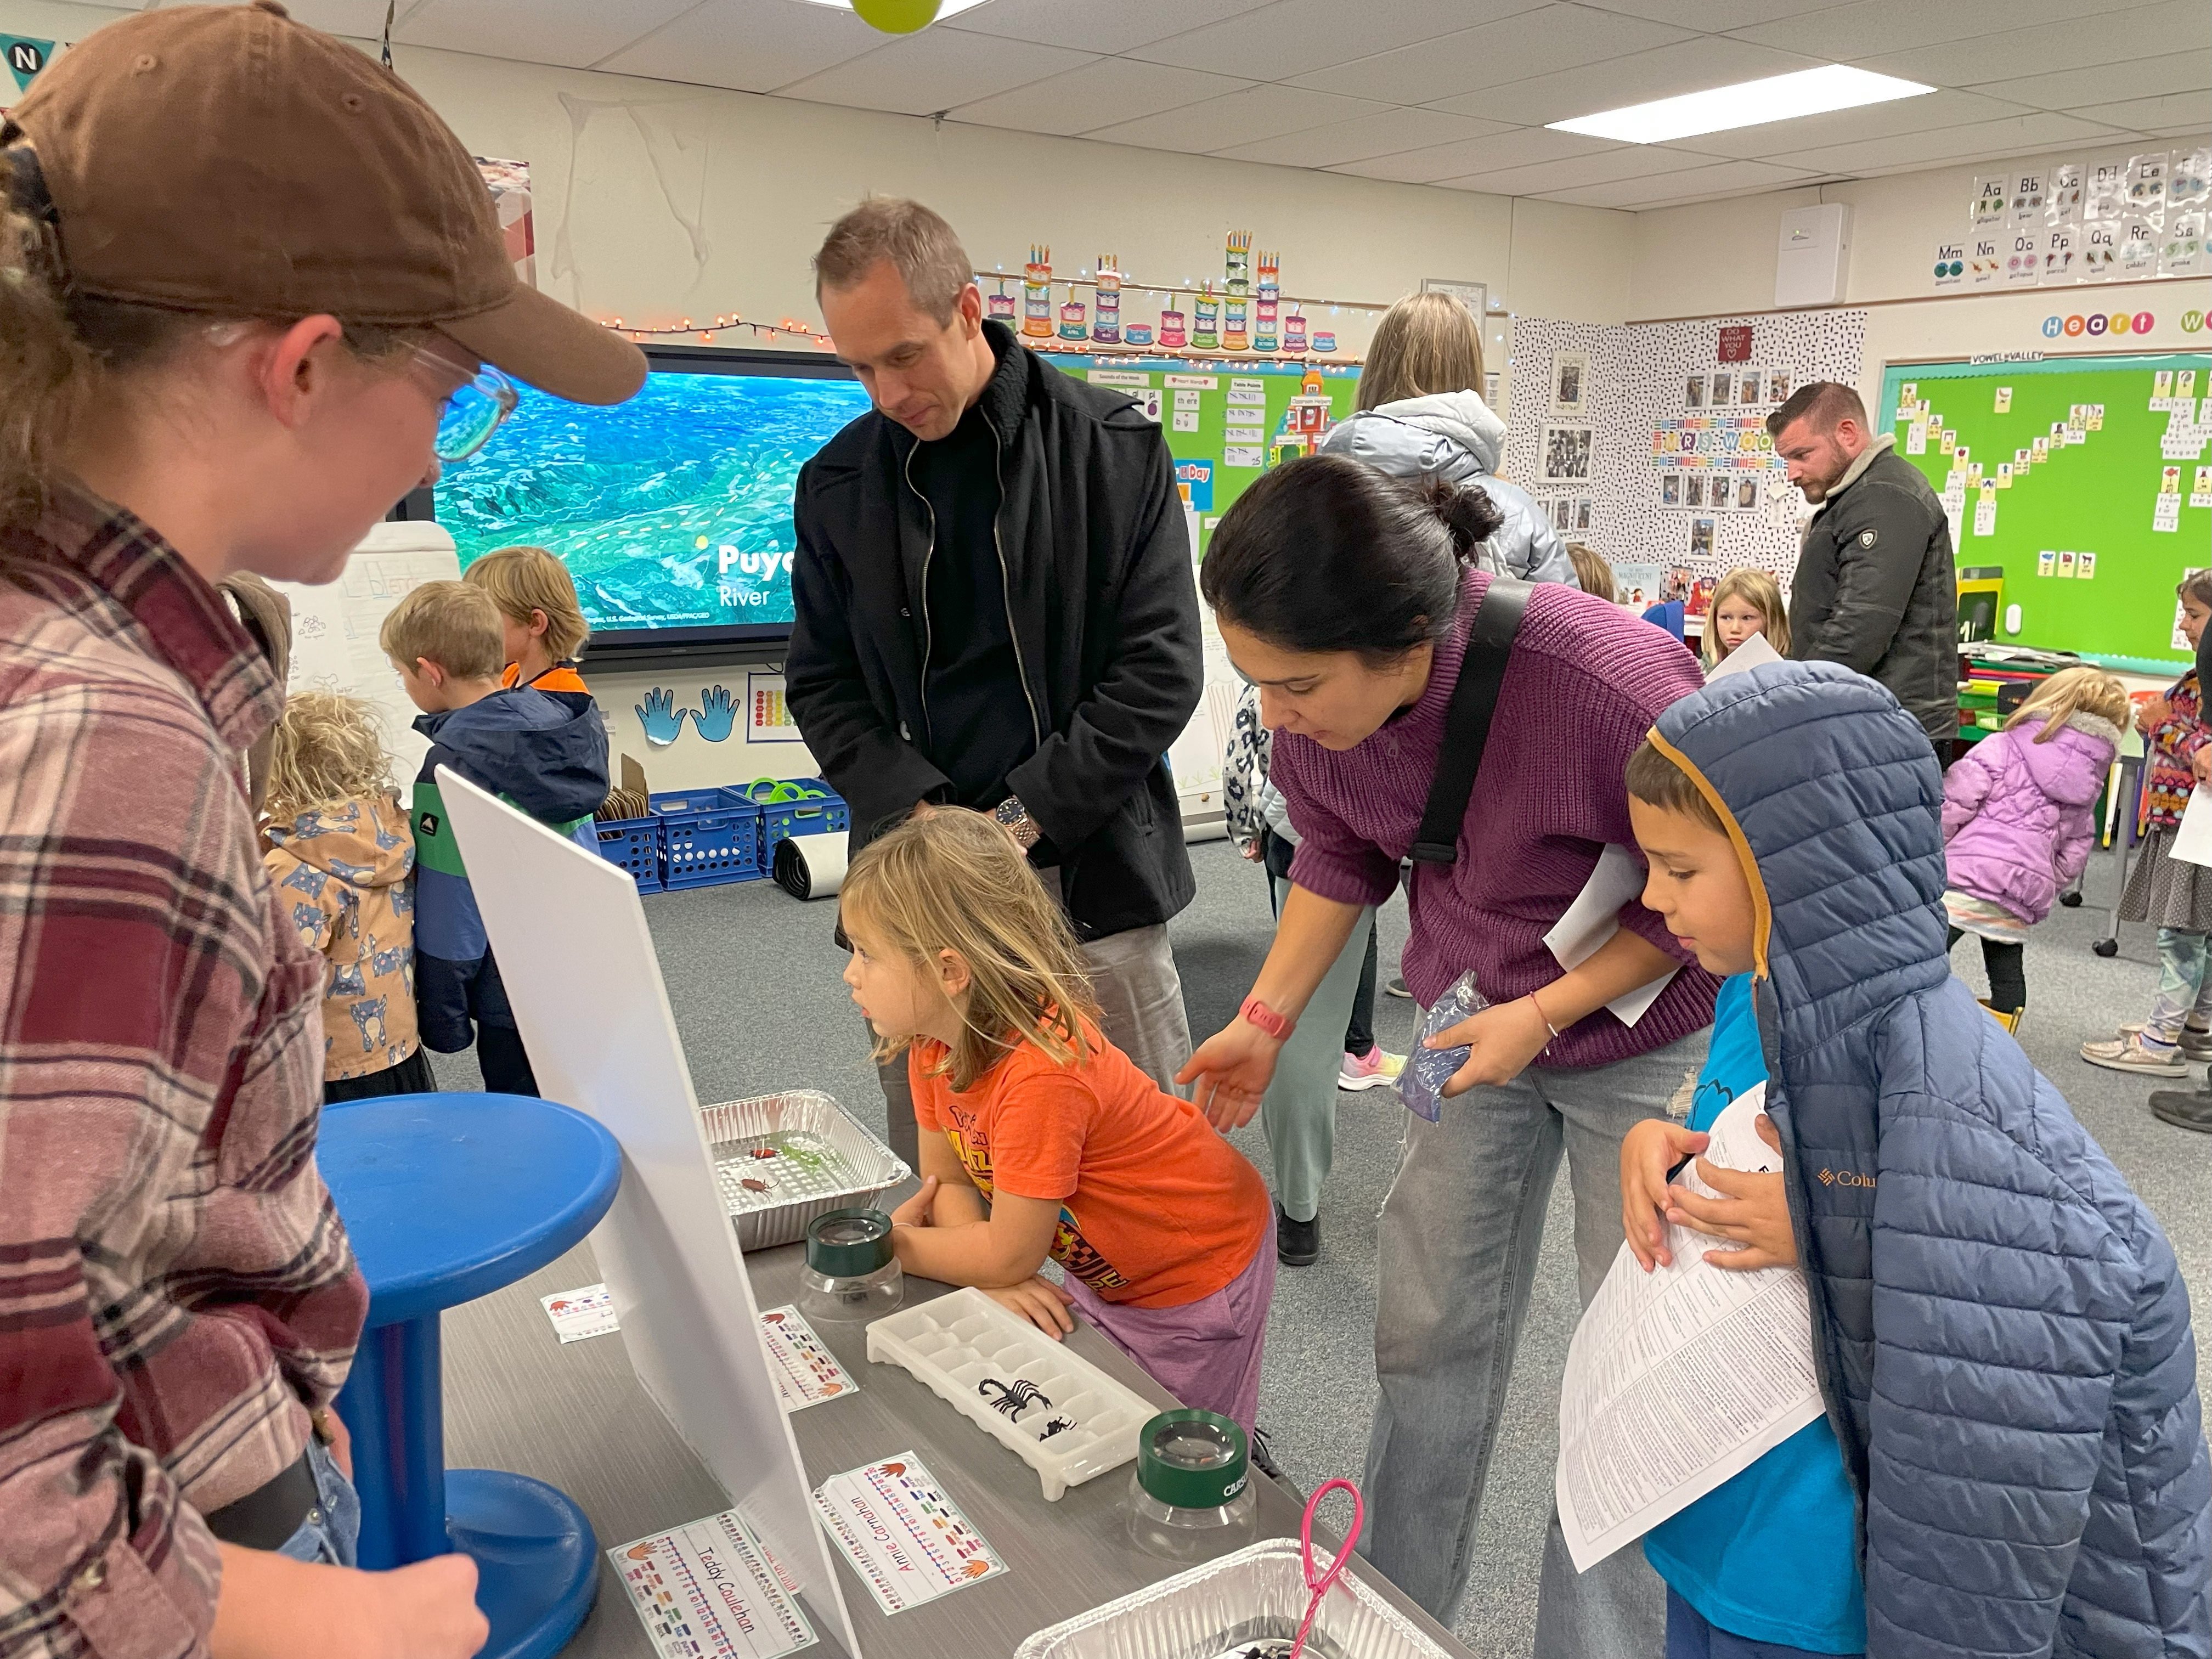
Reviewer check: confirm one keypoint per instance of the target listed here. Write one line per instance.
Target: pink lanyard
(1321, 1586)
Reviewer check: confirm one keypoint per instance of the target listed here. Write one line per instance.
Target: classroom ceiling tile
(749, 45)
(935, 70)
(2105, 83)
(574, 33)
(1115, 27)
(1847, 32)
(1685, 66)
(1716, 16)
(1237, 121)
(1360, 136)
(2177, 25)
(1102, 92)
(2182, 115)
(1555, 37)
(2017, 135)
(1926, 113)
(1511, 147)
(361, 18)
(1622, 161)
(1290, 37)
(1691, 185)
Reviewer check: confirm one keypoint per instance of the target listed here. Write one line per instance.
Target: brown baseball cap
(227, 159)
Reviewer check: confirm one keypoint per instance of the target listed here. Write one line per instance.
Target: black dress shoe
(2185, 1108)
(1297, 1243)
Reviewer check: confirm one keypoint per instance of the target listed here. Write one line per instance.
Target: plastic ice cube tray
(957, 1342)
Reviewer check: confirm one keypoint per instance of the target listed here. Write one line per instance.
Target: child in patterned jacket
(341, 856)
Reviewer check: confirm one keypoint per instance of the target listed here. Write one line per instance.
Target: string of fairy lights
(703, 330)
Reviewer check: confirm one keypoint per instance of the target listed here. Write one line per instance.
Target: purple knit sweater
(1583, 686)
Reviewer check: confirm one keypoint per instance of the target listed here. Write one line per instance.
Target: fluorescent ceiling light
(945, 7)
(1747, 104)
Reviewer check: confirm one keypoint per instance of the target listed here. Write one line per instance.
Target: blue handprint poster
(716, 716)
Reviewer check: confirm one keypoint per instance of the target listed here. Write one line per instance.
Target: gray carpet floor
(752, 975)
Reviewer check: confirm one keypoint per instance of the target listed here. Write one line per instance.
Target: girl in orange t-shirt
(1048, 1142)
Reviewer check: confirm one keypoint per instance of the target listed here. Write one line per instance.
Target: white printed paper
(1750, 654)
(578, 1316)
(1594, 917)
(1186, 419)
(1682, 1377)
(1238, 456)
(2192, 842)
(1254, 398)
(806, 1373)
(711, 1590)
(1243, 435)
(1915, 438)
(1985, 518)
(2166, 516)
(908, 1540)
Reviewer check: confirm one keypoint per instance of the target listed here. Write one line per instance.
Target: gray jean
(1299, 1111)
(1459, 1232)
(1140, 995)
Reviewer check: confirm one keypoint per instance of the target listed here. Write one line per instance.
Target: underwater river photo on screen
(673, 510)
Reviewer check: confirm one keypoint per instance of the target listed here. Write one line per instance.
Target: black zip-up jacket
(1104, 614)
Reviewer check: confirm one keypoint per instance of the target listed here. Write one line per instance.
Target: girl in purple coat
(2016, 820)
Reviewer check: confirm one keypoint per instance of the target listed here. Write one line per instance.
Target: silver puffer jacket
(1453, 435)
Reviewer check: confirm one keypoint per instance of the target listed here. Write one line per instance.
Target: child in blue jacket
(2011, 1461)
(543, 752)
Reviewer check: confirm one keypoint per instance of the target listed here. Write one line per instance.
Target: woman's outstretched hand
(1230, 1072)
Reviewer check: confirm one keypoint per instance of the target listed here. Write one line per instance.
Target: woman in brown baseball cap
(251, 291)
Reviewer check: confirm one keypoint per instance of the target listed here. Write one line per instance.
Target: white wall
(1717, 256)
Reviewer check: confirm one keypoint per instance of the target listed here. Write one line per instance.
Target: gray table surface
(575, 1416)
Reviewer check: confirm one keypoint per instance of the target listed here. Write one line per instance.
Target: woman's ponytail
(1467, 513)
(44, 368)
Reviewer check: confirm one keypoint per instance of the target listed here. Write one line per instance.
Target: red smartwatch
(1256, 1012)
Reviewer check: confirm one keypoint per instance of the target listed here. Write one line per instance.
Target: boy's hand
(1754, 1212)
(1041, 1302)
(918, 1210)
(1505, 1039)
(1648, 1151)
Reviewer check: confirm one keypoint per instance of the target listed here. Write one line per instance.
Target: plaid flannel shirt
(176, 1291)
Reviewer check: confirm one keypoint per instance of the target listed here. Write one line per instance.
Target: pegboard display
(1680, 471)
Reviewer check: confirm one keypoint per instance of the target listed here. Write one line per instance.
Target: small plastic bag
(1421, 1085)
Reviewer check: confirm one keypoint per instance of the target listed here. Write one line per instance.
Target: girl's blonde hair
(521, 580)
(1762, 594)
(2071, 691)
(1592, 574)
(328, 747)
(949, 880)
(1424, 344)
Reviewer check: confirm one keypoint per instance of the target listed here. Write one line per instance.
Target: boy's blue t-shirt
(1771, 1555)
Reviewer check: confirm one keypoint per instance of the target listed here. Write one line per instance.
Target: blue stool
(449, 1197)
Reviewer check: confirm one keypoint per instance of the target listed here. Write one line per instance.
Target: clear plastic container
(1191, 1497)
(850, 1272)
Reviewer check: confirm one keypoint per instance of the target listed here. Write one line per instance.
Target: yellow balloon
(896, 16)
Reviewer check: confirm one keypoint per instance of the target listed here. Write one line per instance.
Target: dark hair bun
(1466, 511)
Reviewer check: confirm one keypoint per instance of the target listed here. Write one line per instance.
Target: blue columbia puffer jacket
(2002, 1330)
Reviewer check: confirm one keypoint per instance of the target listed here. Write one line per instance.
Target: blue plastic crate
(820, 810)
(634, 844)
(705, 838)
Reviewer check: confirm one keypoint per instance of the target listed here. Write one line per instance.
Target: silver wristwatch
(1015, 819)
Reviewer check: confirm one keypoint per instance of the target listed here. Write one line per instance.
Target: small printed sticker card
(907, 1540)
(711, 1590)
(806, 1373)
(578, 1315)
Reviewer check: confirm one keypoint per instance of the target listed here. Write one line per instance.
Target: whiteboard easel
(588, 994)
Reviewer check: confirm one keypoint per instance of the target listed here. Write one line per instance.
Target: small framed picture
(1746, 495)
(1748, 383)
(1693, 490)
(1571, 383)
(1567, 455)
(1583, 506)
(1701, 539)
(1778, 385)
(1693, 393)
(1720, 383)
(1670, 490)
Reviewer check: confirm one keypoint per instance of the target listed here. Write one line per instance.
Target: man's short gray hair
(920, 246)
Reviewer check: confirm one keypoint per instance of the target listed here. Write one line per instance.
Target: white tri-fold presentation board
(589, 999)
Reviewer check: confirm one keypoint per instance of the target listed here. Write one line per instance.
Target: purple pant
(1206, 1352)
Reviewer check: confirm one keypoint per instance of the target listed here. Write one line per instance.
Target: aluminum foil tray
(823, 1160)
(1223, 1610)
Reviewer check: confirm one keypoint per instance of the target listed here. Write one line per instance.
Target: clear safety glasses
(473, 409)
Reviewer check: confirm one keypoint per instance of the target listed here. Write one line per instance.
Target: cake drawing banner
(908, 1540)
(711, 1590)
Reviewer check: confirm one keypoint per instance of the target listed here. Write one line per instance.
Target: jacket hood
(364, 842)
(544, 750)
(1833, 798)
(2070, 768)
(1418, 437)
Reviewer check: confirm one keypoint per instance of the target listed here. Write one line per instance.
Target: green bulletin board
(2089, 554)
(1212, 470)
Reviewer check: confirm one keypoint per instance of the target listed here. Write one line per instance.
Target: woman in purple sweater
(1346, 597)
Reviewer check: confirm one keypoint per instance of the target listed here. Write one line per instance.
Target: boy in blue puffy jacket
(2011, 1462)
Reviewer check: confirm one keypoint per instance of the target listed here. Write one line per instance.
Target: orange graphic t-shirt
(1157, 1210)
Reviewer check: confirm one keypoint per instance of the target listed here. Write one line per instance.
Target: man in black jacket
(1874, 590)
(995, 610)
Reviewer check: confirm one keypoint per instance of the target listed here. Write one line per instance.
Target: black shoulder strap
(1466, 723)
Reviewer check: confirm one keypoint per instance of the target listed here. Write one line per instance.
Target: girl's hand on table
(1041, 1302)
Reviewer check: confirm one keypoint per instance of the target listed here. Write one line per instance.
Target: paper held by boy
(1594, 917)
(1682, 1377)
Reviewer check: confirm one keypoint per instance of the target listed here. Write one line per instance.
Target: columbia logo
(1844, 1178)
